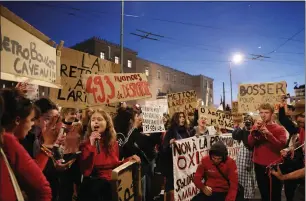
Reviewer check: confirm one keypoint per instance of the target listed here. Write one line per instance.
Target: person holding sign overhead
(100, 155)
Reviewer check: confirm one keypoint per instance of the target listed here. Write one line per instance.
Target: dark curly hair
(175, 120)
(124, 119)
(16, 105)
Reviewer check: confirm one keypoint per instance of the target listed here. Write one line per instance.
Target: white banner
(152, 119)
(187, 155)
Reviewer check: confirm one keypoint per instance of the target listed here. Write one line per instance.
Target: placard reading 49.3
(115, 87)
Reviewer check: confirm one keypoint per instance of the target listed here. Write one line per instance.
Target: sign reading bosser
(252, 95)
(185, 101)
(113, 88)
(24, 55)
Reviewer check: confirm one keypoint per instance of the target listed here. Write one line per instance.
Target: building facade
(299, 93)
(162, 79)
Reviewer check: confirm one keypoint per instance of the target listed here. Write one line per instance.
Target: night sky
(199, 37)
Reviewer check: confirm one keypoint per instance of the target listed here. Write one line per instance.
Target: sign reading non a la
(185, 101)
(74, 64)
(113, 88)
(24, 55)
(252, 95)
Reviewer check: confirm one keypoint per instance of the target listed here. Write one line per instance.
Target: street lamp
(237, 58)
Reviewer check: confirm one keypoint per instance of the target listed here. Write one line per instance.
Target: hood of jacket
(218, 149)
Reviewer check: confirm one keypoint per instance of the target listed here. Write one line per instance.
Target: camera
(256, 133)
(248, 123)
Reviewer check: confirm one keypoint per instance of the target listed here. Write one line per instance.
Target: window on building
(158, 74)
(183, 80)
(129, 63)
(211, 85)
(116, 60)
(102, 55)
(158, 91)
(167, 76)
(147, 71)
(174, 78)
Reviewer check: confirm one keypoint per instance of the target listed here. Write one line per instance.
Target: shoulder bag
(240, 190)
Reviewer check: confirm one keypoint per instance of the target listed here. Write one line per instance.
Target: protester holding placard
(100, 154)
(143, 145)
(268, 139)
(178, 130)
(244, 159)
(202, 129)
(16, 165)
(216, 187)
(70, 179)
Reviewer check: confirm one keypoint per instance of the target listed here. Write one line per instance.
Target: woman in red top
(18, 118)
(97, 167)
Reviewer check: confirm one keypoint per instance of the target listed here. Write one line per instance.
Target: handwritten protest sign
(185, 101)
(217, 117)
(74, 64)
(237, 117)
(113, 88)
(152, 119)
(163, 103)
(24, 55)
(126, 182)
(252, 95)
(187, 155)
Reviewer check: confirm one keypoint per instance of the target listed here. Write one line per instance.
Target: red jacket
(267, 151)
(214, 179)
(103, 163)
(29, 176)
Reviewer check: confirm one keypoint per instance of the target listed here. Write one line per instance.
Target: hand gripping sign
(112, 88)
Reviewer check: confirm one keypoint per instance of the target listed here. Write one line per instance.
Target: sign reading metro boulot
(25, 56)
(74, 64)
(252, 95)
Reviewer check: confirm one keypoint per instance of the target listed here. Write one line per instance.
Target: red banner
(115, 87)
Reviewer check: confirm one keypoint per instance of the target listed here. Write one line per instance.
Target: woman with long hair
(178, 130)
(17, 120)
(97, 167)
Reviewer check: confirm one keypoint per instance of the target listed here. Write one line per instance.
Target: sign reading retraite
(74, 64)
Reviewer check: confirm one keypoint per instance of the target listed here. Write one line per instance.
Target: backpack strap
(223, 175)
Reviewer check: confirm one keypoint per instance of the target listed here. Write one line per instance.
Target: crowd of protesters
(63, 155)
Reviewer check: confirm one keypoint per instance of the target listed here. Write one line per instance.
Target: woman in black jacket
(178, 130)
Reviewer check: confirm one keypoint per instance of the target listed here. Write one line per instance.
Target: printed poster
(152, 119)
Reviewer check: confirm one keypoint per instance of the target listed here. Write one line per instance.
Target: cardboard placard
(114, 88)
(74, 64)
(25, 56)
(152, 119)
(252, 95)
(237, 117)
(187, 154)
(217, 117)
(185, 101)
(126, 182)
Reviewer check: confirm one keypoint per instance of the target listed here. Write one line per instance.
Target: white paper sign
(187, 155)
(152, 119)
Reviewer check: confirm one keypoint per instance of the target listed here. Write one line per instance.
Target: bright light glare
(237, 58)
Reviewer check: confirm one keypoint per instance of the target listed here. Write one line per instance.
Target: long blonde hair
(109, 137)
